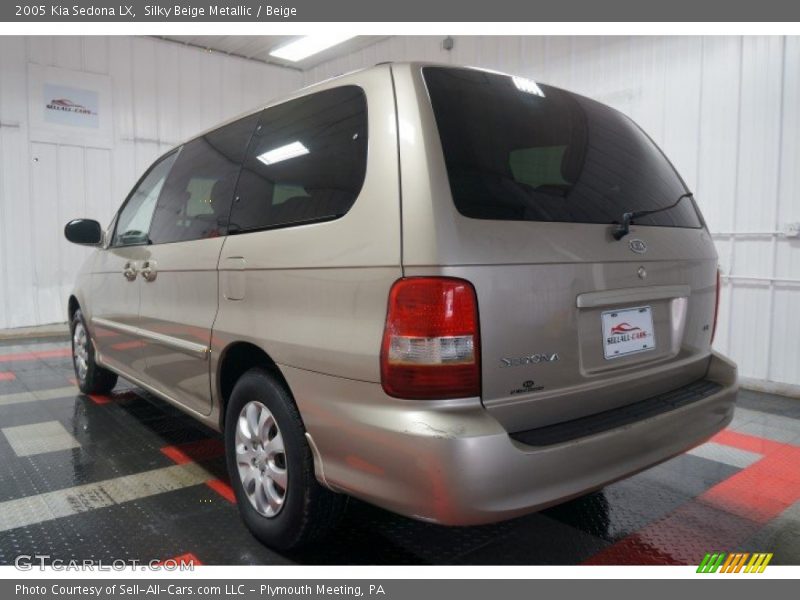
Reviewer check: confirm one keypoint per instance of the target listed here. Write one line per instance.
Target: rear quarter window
(515, 150)
(305, 163)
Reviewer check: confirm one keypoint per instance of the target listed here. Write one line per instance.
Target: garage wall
(727, 112)
(162, 94)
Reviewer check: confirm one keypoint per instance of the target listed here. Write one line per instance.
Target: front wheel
(91, 377)
(271, 466)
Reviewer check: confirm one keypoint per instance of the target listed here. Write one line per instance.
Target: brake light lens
(431, 342)
(716, 309)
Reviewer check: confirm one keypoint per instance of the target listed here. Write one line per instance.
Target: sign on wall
(69, 107)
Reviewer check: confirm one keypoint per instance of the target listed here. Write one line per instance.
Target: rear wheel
(92, 378)
(271, 466)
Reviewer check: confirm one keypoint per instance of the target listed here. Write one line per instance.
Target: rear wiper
(624, 228)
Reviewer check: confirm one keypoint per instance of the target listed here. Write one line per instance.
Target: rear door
(179, 289)
(306, 275)
(524, 186)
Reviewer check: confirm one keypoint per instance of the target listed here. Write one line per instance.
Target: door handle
(148, 270)
(129, 271)
(234, 284)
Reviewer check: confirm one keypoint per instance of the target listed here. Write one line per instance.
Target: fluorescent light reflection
(308, 46)
(276, 155)
(527, 85)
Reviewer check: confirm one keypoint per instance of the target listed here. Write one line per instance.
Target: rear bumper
(457, 466)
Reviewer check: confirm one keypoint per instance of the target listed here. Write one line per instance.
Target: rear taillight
(431, 342)
(716, 309)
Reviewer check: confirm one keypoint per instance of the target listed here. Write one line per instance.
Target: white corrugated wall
(162, 93)
(727, 112)
(725, 109)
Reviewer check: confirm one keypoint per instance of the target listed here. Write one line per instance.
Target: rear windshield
(519, 151)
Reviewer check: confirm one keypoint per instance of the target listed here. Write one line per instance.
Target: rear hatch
(573, 321)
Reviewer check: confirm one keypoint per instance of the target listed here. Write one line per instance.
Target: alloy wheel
(80, 351)
(261, 459)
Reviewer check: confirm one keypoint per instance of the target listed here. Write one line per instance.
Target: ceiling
(257, 47)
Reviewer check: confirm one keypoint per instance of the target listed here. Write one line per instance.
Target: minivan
(456, 294)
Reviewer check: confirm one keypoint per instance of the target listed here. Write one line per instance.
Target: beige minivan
(459, 295)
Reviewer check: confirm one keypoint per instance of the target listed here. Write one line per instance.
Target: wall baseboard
(39, 331)
(790, 390)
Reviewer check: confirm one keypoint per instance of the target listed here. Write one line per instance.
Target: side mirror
(84, 231)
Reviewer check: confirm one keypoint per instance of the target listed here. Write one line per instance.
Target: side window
(133, 222)
(196, 200)
(306, 162)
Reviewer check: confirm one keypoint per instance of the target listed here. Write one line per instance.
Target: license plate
(627, 331)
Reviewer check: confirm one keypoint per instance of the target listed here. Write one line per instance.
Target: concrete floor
(127, 476)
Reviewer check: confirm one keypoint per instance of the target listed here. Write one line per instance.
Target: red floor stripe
(744, 441)
(223, 488)
(199, 451)
(722, 517)
(7, 376)
(102, 399)
(183, 559)
(762, 491)
(21, 356)
(176, 455)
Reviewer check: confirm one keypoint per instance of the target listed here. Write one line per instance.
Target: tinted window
(196, 198)
(516, 150)
(306, 162)
(133, 223)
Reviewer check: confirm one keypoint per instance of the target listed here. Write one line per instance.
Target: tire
(285, 507)
(91, 377)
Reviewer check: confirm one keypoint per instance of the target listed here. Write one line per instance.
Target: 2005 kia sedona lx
(456, 294)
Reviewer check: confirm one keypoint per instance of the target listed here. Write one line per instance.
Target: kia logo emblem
(638, 246)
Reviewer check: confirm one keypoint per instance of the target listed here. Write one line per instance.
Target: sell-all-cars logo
(622, 328)
(65, 105)
(638, 246)
(734, 562)
(625, 332)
